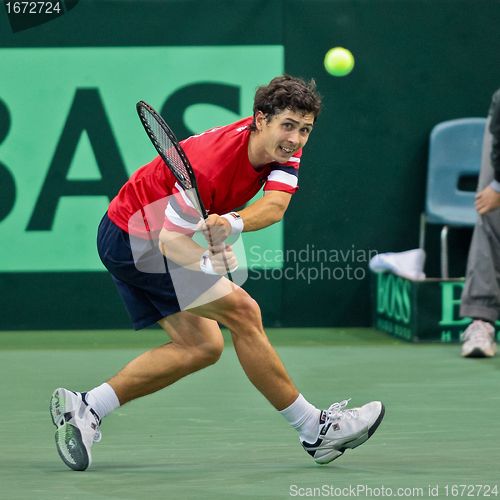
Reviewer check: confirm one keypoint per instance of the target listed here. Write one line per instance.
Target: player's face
(284, 134)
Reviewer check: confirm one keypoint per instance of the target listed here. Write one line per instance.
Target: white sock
(102, 399)
(304, 417)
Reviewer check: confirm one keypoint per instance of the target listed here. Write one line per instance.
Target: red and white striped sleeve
(181, 215)
(285, 176)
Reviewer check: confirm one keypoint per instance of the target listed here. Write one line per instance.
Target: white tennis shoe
(340, 429)
(77, 428)
(479, 340)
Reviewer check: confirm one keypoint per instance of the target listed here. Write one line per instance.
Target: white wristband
(236, 226)
(206, 263)
(207, 267)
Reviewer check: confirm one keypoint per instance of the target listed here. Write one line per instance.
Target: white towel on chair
(409, 264)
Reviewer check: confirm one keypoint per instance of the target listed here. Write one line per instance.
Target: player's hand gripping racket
(169, 149)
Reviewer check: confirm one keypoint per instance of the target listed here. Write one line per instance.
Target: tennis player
(231, 164)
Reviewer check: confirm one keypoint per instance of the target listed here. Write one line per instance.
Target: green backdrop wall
(69, 137)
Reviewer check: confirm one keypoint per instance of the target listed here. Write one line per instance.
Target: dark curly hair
(286, 92)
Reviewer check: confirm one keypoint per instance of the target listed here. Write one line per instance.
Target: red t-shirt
(226, 179)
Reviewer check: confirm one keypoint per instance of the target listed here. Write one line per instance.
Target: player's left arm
(264, 212)
(281, 184)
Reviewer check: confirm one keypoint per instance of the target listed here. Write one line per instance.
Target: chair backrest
(455, 151)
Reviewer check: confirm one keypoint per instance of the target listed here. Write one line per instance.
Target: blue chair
(454, 152)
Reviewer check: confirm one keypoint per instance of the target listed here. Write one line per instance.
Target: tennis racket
(169, 149)
(171, 152)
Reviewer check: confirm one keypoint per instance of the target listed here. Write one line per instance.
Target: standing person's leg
(481, 294)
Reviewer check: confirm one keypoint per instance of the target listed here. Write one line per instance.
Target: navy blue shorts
(148, 296)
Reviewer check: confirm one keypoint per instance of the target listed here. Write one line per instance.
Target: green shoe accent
(71, 448)
(56, 407)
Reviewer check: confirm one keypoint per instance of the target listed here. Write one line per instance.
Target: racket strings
(165, 144)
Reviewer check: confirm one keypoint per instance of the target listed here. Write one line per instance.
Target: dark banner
(69, 135)
(417, 311)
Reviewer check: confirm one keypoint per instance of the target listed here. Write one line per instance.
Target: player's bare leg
(326, 434)
(195, 344)
(241, 314)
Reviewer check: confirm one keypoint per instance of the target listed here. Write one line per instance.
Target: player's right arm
(183, 251)
(180, 249)
(176, 242)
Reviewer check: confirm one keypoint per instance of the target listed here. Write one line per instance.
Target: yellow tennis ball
(339, 61)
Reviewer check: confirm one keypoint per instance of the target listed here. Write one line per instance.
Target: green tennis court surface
(213, 436)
